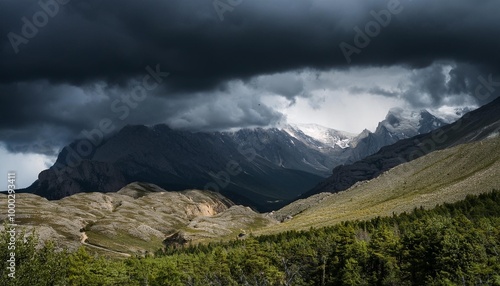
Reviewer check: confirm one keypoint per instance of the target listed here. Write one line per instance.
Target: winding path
(83, 240)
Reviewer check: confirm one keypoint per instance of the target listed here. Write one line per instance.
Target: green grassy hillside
(442, 176)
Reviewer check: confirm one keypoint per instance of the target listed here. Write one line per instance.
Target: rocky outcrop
(87, 176)
(138, 217)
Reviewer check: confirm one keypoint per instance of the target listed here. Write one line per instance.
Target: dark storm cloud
(442, 83)
(460, 84)
(381, 91)
(38, 117)
(375, 90)
(224, 112)
(427, 87)
(113, 40)
(66, 74)
(289, 85)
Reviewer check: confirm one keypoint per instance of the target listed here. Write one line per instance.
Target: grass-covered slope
(443, 176)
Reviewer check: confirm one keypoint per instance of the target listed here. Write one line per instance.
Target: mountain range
(474, 126)
(261, 168)
(442, 166)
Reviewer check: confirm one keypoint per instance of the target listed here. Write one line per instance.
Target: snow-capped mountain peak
(327, 136)
(402, 123)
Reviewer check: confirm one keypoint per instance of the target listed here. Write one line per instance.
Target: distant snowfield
(452, 113)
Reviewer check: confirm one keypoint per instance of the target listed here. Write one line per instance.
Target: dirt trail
(83, 240)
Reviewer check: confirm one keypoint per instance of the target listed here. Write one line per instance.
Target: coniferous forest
(452, 244)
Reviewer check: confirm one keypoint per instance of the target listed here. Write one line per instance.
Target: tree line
(452, 244)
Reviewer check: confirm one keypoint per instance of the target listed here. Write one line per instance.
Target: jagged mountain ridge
(398, 124)
(474, 126)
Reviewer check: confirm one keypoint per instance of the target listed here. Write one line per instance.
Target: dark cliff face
(474, 126)
(87, 176)
(429, 122)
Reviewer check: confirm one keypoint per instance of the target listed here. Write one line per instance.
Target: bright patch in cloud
(26, 166)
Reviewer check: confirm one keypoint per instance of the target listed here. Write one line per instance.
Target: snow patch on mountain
(400, 122)
(403, 124)
(450, 114)
(326, 136)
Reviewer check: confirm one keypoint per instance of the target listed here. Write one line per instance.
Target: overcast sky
(232, 64)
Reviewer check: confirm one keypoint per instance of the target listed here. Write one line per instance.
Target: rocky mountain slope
(474, 126)
(139, 217)
(398, 124)
(256, 167)
(443, 176)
